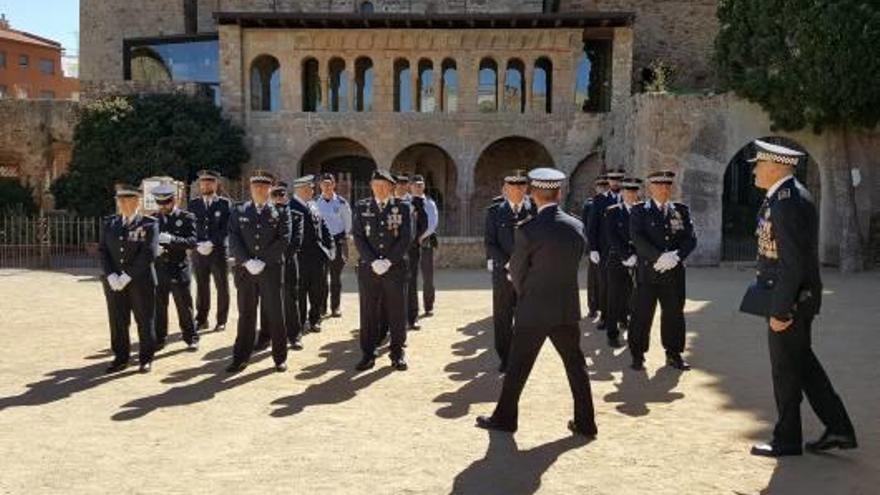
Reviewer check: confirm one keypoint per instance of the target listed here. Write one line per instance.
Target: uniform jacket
(131, 249)
(316, 239)
(296, 230)
(653, 234)
(544, 269)
(181, 225)
(264, 235)
(420, 218)
(788, 250)
(616, 226)
(382, 234)
(595, 230)
(212, 223)
(501, 223)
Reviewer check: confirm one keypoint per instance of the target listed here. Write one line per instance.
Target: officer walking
(428, 242)
(336, 212)
(597, 240)
(259, 237)
(663, 235)
(382, 232)
(209, 259)
(128, 247)
(177, 234)
(601, 186)
(789, 284)
(621, 261)
(544, 268)
(317, 250)
(501, 222)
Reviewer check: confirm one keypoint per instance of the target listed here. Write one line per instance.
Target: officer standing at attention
(317, 250)
(544, 270)
(788, 274)
(597, 240)
(128, 247)
(336, 213)
(419, 215)
(601, 186)
(663, 235)
(259, 236)
(177, 234)
(209, 258)
(290, 284)
(382, 233)
(402, 194)
(501, 222)
(621, 261)
(428, 242)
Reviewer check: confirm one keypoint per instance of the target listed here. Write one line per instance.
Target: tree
(16, 198)
(809, 64)
(125, 139)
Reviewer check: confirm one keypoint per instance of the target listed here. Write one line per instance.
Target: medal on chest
(394, 221)
(766, 241)
(676, 224)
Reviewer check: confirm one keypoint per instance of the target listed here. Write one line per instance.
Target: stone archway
(347, 159)
(741, 199)
(581, 184)
(441, 179)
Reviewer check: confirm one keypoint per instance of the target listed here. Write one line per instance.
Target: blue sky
(54, 19)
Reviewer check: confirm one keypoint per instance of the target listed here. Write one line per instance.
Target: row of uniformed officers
(283, 251)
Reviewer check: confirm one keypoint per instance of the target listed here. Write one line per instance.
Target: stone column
(231, 75)
(352, 79)
(438, 86)
(414, 85)
(500, 84)
(621, 69)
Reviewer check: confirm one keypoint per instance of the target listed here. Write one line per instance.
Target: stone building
(463, 91)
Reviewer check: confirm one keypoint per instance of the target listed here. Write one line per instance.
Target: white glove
(254, 266)
(630, 262)
(160, 251)
(113, 281)
(489, 265)
(380, 266)
(667, 261)
(594, 257)
(205, 248)
(165, 238)
(124, 279)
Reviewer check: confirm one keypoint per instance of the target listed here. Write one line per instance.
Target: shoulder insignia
(784, 193)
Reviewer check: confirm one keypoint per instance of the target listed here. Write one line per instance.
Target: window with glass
(515, 87)
(363, 94)
(542, 86)
(426, 100)
(338, 85)
(449, 86)
(487, 89)
(179, 59)
(24, 61)
(47, 67)
(265, 84)
(311, 86)
(2, 60)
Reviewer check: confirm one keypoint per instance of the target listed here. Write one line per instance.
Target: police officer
(427, 241)
(600, 187)
(290, 284)
(621, 261)
(597, 240)
(317, 250)
(663, 235)
(177, 234)
(336, 213)
(128, 247)
(791, 287)
(401, 192)
(501, 222)
(544, 271)
(382, 231)
(209, 258)
(259, 237)
(419, 215)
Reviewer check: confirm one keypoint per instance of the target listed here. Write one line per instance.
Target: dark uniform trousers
(139, 298)
(620, 294)
(334, 270)
(206, 267)
(592, 287)
(177, 286)
(427, 268)
(263, 289)
(412, 283)
(312, 269)
(290, 300)
(671, 296)
(503, 308)
(382, 300)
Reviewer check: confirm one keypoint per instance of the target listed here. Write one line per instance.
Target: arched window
(425, 94)
(402, 86)
(449, 87)
(363, 89)
(338, 97)
(592, 89)
(487, 89)
(515, 87)
(311, 86)
(542, 86)
(265, 84)
(366, 8)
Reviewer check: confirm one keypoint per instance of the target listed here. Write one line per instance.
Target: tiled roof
(31, 39)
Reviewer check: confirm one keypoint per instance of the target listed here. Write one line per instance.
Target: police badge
(178, 223)
(676, 224)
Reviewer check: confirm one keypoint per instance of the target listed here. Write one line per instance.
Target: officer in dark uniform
(427, 241)
(544, 271)
(317, 250)
(209, 258)
(501, 221)
(419, 215)
(382, 231)
(177, 234)
(791, 287)
(401, 193)
(601, 186)
(259, 237)
(128, 247)
(663, 235)
(597, 240)
(290, 284)
(621, 261)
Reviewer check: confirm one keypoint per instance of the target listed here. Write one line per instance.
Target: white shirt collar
(775, 187)
(209, 199)
(332, 198)
(382, 204)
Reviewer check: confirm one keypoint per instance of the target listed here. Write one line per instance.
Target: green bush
(16, 198)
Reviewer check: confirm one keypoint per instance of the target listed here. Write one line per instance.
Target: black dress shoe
(160, 344)
(192, 346)
(202, 326)
(677, 362)
(336, 314)
(614, 342)
(429, 313)
(487, 423)
(146, 367)
(365, 364)
(262, 345)
(315, 328)
(400, 364)
(415, 326)
(297, 345)
(770, 450)
(281, 367)
(830, 441)
(220, 327)
(637, 364)
(236, 367)
(589, 433)
(116, 367)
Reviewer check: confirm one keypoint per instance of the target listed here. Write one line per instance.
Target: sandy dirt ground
(323, 428)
